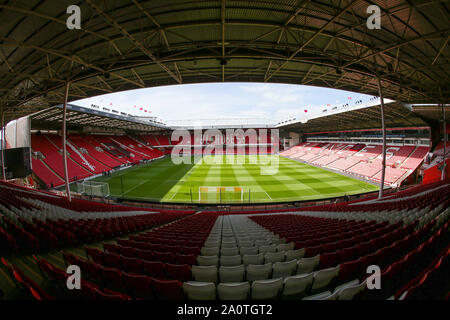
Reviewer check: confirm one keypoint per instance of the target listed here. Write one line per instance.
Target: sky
(273, 102)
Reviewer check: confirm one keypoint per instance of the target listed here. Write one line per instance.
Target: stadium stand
(75, 154)
(45, 173)
(311, 229)
(150, 139)
(53, 158)
(320, 250)
(392, 175)
(360, 159)
(433, 170)
(413, 161)
(139, 151)
(93, 149)
(88, 155)
(439, 150)
(163, 140)
(114, 149)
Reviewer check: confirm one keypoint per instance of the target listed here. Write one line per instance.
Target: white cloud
(225, 100)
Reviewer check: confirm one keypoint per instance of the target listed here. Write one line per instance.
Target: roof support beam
(6, 62)
(136, 42)
(397, 45)
(162, 32)
(72, 58)
(292, 17)
(440, 51)
(138, 76)
(283, 29)
(62, 22)
(222, 18)
(340, 13)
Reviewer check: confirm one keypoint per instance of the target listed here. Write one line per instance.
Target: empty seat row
(246, 259)
(254, 272)
(294, 287)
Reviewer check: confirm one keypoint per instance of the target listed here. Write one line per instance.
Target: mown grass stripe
(174, 183)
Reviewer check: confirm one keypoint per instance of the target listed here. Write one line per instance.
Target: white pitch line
(173, 196)
(267, 194)
(183, 180)
(138, 185)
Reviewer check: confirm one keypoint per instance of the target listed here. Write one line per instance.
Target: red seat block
(168, 289)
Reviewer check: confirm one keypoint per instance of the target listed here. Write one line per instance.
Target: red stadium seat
(173, 249)
(168, 289)
(111, 248)
(347, 254)
(124, 243)
(111, 277)
(110, 295)
(111, 260)
(167, 257)
(145, 255)
(95, 254)
(88, 290)
(349, 270)
(155, 269)
(189, 259)
(328, 260)
(132, 265)
(127, 251)
(138, 286)
(181, 272)
(313, 251)
(331, 246)
(91, 269)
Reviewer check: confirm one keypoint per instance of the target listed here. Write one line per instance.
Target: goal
(221, 194)
(93, 188)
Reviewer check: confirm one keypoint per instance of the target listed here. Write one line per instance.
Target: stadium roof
(78, 117)
(432, 112)
(226, 123)
(126, 44)
(396, 115)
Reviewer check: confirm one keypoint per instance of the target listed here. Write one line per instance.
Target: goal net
(93, 188)
(221, 194)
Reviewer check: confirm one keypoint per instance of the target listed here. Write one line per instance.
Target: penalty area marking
(267, 195)
(138, 185)
(183, 180)
(173, 196)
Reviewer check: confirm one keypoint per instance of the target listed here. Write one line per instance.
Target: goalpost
(93, 188)
(220, 194)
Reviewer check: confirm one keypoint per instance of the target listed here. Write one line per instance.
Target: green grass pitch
(164, 181)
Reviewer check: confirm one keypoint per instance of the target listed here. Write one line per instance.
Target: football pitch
(232, 179)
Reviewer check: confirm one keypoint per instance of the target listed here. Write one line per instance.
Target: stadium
(349, 201)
